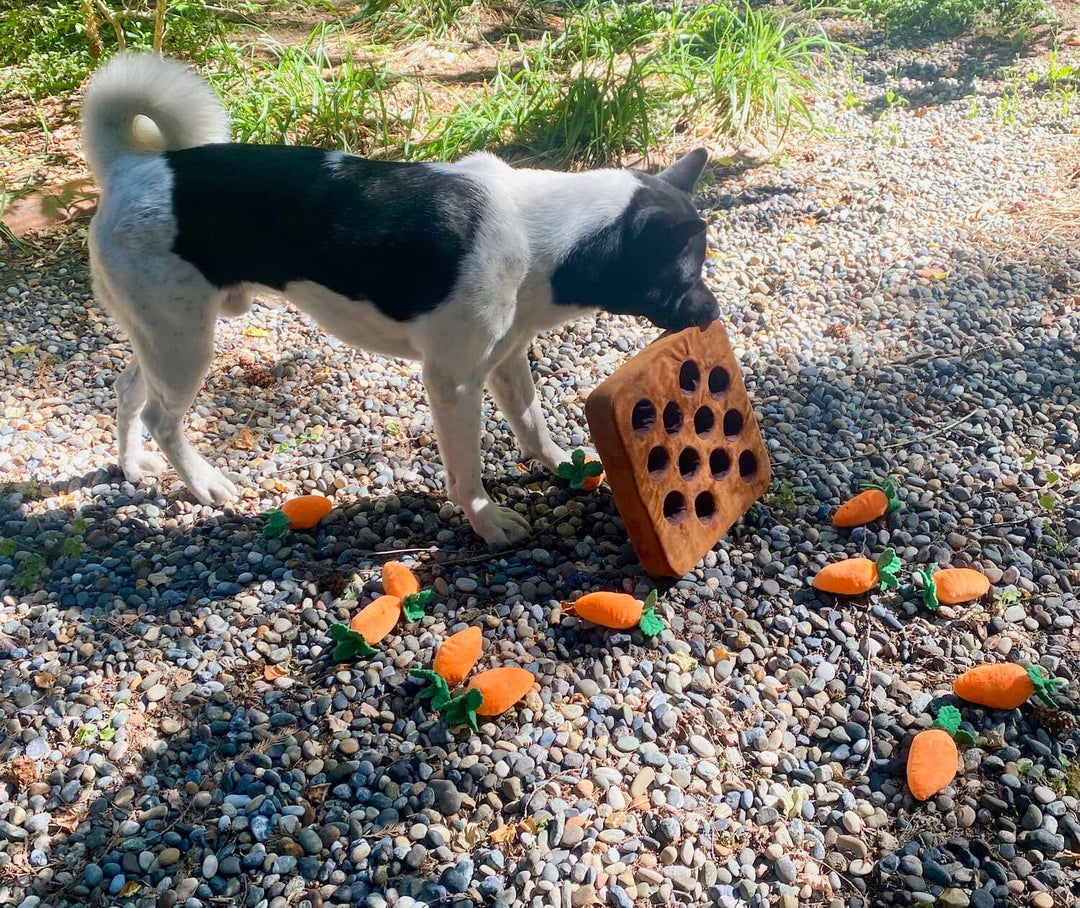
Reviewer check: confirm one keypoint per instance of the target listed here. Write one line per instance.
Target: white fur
(134, 88)
(476, 337)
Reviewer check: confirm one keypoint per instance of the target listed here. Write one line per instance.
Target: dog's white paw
(500, 527)
(144, 465)
(550, 458)
(210, 486)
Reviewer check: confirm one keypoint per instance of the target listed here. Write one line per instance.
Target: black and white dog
(456, 265)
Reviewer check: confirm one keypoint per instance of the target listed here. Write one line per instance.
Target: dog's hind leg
(173, 375)
(512, 386)
(136, 462)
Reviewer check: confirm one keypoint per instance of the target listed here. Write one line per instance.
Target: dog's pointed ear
(686, 171)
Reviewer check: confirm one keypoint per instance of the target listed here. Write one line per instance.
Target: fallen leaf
(505, 835)
(68, 498)
(684, 660)
(22, 771)
(68, 822)
(261, 631)
(368, 711)
(256, 332)
(641, 802)
(244, 439)
(129, 888)
(45, 680)
(791, 801)
(720, 653)
(932, 274)
(66, 634)
(528, 825)
(522, 468)
(471, 836)
(273, 672)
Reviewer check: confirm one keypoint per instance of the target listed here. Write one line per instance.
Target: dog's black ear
(686, 171)
(658, 230)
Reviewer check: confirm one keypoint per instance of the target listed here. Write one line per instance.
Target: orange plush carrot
(489, 694)
(855, 576)
(398, 580)
(932, 760)
(297, 514)
(620, 611)
(952, 586)
(306, 511)
(376, 619)
(1005, 685)
(876, 500)
(458, 654)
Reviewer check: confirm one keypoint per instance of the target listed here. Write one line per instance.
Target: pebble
(135, 680)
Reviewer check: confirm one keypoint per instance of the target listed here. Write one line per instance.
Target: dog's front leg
(512, 385)
(455, 407)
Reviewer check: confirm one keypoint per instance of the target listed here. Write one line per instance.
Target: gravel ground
(173, 734)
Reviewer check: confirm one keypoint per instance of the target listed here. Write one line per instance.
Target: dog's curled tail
(143, 104)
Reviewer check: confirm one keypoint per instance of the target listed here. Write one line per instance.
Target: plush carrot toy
(582, 473)
(932, 760)
(296, 514)
(398, 580)
(458, 654)
(490, 693)
(1005, 685)
(876, 500)
(620, 611)
(374, 621)
(952, 586)
(855, 576)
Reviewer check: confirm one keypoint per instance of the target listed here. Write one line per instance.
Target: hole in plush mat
(689, 376)
(675, 508)
(733, 423)
(719, 381)
(672, 418)
(748, 465)
(643, 417)
(689, 462)
(658, 462)
(704, 420)
(719, 463)
(705, 507)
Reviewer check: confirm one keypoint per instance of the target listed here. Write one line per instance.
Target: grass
(602, 83)
(1012, 19)
(311, 95)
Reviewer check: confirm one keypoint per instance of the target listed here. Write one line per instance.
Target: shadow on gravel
(239, 740)
(947, 77)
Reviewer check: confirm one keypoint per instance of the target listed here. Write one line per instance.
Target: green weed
(28, 574)
(1013, 19)
(311, 95)
(751, 70)
(784, 497)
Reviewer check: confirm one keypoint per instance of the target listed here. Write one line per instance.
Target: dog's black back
(388, 233)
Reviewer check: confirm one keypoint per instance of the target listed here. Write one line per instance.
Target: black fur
(391, 234)
(646, 263)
